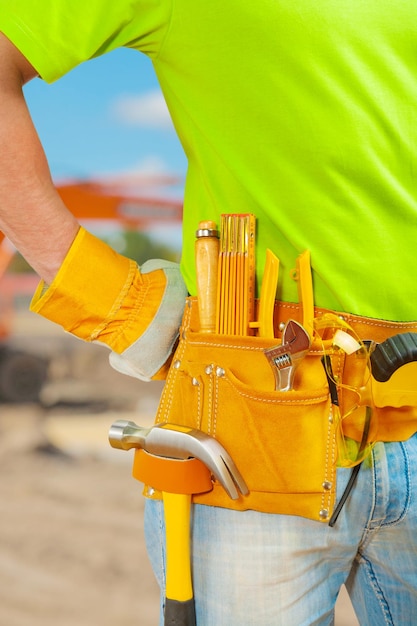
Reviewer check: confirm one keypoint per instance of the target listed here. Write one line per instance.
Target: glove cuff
(89, 289)
(100, 295)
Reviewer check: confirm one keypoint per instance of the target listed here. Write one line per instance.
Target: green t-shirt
(304, 114)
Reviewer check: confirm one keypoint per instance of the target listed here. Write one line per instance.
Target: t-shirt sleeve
(56, 35)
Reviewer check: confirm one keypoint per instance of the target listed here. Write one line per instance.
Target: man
(304, 115)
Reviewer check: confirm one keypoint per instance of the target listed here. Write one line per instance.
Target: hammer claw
(233, 481)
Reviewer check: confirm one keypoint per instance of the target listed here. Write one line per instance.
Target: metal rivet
(177, 365)
(281, 326)
(220, 372)
(323, 513)
(149, 492)
(195, 382)
(327, 485)
(209, 370)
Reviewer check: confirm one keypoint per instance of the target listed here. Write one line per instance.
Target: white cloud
(150, 164)
(150, 176)
(144, 110)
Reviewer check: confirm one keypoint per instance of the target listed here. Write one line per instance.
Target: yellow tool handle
(305, 290)
(178, 479)
(265, 323)
(179, 600)
(206, 261)
(399, 391)
(177, 528)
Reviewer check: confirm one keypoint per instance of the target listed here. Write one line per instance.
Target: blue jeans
(256, 569)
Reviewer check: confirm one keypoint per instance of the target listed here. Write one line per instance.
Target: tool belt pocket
(281, 441)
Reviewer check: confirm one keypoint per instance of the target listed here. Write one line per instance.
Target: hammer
(178, 461)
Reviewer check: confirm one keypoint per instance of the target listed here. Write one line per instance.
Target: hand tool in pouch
(393, 381)
(387, 357)
(302, 274)
(394, 371)
(249, 273)
(236, 282)
(178, 461)
(285, 358)
(206, 262)
(265, 323)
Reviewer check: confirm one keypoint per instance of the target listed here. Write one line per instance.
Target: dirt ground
(71, 516)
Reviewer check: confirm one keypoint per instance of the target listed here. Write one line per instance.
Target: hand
(101, 296)
(145, 356)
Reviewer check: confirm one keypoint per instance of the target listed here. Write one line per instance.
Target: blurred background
(71, 548)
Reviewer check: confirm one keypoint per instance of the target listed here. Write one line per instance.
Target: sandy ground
(71, 543)
(71, 516)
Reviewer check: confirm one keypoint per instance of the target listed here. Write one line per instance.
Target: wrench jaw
(179, 442)
(285, 358)
(284, 376)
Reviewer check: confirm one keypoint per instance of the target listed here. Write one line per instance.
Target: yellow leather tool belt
(283, 442)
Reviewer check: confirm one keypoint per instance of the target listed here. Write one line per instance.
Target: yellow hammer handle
(177, 523)
(206, 261)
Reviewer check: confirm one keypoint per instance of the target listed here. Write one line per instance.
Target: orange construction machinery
(132, 201)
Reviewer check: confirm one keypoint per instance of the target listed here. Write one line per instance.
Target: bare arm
(32, 214)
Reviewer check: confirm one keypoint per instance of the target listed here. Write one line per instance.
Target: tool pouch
(282, 442)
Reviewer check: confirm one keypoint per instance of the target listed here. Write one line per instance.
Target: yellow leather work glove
(99, 295)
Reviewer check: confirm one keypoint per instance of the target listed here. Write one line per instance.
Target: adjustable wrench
(285, 358)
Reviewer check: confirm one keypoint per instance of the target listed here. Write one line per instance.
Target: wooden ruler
(236, 274)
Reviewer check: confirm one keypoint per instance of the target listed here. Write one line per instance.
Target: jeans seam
(379, 594)
(404, 511)
(368, 530)
(162, 546)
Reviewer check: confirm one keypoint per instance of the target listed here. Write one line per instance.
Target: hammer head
(180, 442)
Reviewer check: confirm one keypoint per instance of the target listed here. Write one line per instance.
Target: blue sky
(106, 116)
